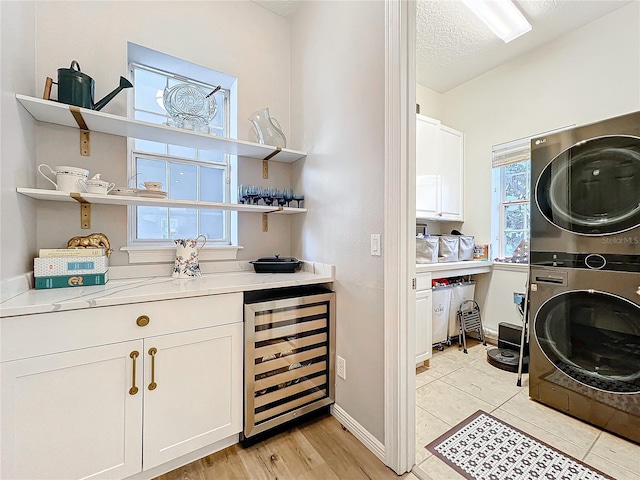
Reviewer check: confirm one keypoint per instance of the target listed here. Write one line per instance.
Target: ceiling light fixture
(501, 16)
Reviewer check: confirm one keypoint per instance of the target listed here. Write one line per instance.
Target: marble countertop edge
(148, 289)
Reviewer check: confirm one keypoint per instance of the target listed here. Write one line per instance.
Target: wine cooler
(289, 352)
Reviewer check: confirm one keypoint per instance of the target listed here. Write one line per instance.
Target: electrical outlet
(342, 367)
(518, 298)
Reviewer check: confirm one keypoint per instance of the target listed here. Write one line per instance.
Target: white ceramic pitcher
(187, 264)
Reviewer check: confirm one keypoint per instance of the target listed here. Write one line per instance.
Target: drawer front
(46, 333)
(423, 281)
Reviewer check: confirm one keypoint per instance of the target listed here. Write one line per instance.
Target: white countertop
(453, 269)
(148, 289)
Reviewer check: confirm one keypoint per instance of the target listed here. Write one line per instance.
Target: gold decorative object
(94, 240)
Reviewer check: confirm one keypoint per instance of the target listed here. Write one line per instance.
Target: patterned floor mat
(483, 447)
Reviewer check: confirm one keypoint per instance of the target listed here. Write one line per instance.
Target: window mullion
(144, 225)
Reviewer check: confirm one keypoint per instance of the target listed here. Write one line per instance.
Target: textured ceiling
(284, 8)
(453, 46)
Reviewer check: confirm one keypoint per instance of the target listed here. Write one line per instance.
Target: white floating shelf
(95, 198)
(58, 113)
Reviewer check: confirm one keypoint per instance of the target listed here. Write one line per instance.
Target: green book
(62, 281)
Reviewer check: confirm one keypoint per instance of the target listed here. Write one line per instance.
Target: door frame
(399, 233)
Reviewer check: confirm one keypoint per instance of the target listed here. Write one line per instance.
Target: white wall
(17, 145)
(585, 76)
(430, 102)
(337, 98)
(236, 37)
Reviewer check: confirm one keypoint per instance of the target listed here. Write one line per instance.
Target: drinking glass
(287, 193)
(258, 195)
(299, 199)
(281, 200)
(251, 194)
(278, 197)
(242, 193)
(268, 195)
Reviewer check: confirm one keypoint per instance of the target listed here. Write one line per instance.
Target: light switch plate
(375, 244)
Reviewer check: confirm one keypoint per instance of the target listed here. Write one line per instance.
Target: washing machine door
(593, 337)
(593, 188)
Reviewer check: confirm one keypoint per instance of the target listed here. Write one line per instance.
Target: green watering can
(76, 88)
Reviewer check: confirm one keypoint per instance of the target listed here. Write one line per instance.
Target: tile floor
(456, 385)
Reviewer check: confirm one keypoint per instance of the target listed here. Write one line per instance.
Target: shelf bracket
(85, 140)
(85, 211)
(265, 218)
(265, 162)
(47, 88)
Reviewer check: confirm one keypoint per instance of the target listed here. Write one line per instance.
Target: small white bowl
(97, 186)
(155, 186)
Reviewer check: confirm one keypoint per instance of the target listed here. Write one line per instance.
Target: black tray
(276, 264)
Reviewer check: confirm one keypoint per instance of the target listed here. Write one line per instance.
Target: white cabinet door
(70, 415)
(451, 174)
(427, 165)
(439, 171)
(197, 398)
(423, 326)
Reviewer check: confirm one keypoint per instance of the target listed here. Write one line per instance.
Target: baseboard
(185, 459)
(358, 431)
(421, 474)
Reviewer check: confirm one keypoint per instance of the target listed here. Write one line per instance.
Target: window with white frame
(511, 195)
(186, 173)
(511, 181)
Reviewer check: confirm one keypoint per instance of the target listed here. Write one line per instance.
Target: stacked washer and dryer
(584, 279)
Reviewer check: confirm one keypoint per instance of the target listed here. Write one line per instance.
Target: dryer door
(593, 188)
(593, 337)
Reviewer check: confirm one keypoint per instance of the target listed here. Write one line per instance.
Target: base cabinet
(70, 415)
(113, 411)
(423, 318)
(192, 391)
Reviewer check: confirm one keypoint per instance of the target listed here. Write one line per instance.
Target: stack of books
(70, 267)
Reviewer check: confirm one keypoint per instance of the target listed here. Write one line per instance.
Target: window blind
(511, 152)
(517, 150)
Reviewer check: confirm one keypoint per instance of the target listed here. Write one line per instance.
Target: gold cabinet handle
(152, 352)
(133, 390)
(142, 321)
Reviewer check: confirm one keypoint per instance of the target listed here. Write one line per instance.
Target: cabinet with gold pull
(74, 413)
(146, 396)
(192, 391)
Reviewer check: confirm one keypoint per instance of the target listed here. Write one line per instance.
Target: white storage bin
(427, 249)
(465, 248)
(459, 293)
(448, 248)
(441, 303)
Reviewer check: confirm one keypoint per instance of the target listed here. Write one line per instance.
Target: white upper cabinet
(427, 165)
(451, 173)
(439, 171)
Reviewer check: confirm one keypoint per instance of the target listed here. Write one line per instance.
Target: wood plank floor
(319, 449)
